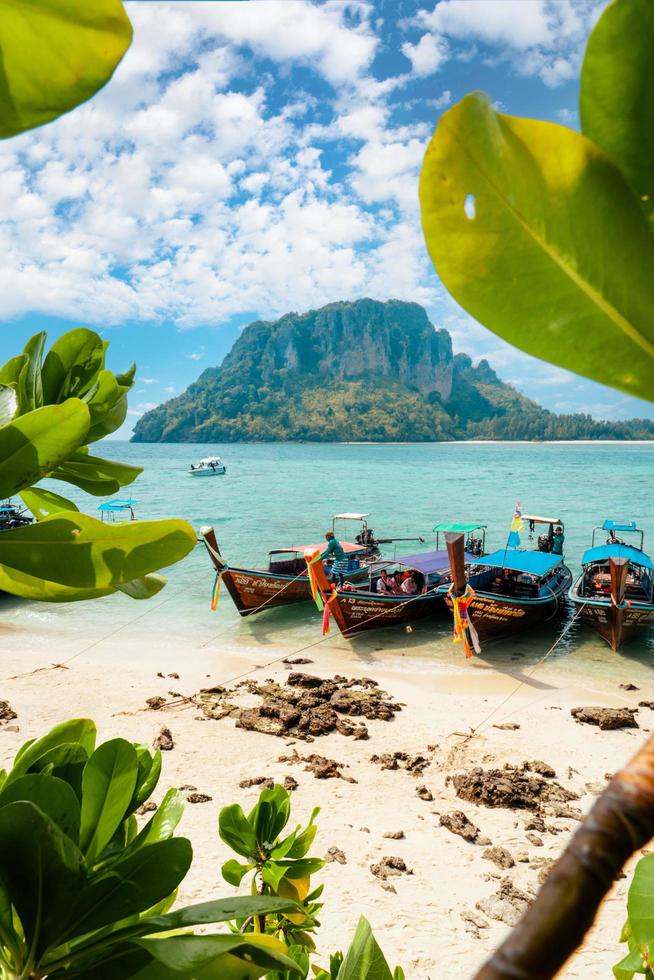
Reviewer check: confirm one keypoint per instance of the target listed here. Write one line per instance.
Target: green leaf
(131, 884)
(143, 588)
(617, 82)
(162, 824)
(55, 55)
(558, 248)
(40, 590)
(54, 797)
(34, 444)
(148, 776)
(233, 871)
(205, 956)
(39, 869)
(204, 913)
(29, 390)
(304, 840)
(80, 551)
(100, 477)
(11, 370)
(78, 730)
(236, 831)
(632, 963)
(640, 902)
(42, 503)
(72, 365)
(107, 788)
(66, 762)
(364, 959)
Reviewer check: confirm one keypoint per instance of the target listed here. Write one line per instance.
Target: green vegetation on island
(359, 371)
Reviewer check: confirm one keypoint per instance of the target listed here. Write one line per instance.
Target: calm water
(278, 495)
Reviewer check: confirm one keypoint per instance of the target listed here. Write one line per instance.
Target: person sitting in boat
(409, 586)
(335, 552)
(557, 543)
(385, 583)
(397, 582)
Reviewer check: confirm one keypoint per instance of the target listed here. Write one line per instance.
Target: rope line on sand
(474, 731)
(286, 656)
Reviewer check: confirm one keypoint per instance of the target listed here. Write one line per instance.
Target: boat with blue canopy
(615, 591)
(415, 592)
(514, 589)
(12, 516)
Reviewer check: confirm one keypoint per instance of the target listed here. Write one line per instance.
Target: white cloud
(520, 25)
(427, 55)
(148, 381)
(539, 37)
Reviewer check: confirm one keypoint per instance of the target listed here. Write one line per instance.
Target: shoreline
(111, 682)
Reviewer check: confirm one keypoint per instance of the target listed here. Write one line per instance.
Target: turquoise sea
(275, 495)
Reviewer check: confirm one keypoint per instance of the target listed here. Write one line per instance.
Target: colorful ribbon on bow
(327, 611)
(625, 604)
(464, 632)
(311, 559)
(215, 592)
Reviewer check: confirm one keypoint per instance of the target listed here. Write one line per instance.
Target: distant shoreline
(421, 442)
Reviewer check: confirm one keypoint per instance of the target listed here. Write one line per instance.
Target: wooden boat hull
(615, 625)
(497, 616)
(254, 590)
(357, 612)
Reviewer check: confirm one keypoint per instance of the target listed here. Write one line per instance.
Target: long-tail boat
(615, 591)
(284, 580)
(357, 608)
(515, 589)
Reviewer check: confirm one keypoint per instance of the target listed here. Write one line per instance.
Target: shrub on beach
(85, 894)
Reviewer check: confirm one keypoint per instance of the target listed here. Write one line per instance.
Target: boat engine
(474, 546)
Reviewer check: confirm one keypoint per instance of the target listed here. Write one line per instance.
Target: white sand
(420, 926)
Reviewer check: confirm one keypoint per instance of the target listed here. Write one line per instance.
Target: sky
(251, 159)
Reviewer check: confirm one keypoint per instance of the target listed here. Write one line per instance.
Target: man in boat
(334, 551)
(557, 542)
(384, 583)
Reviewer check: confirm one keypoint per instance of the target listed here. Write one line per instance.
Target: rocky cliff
(356, 371)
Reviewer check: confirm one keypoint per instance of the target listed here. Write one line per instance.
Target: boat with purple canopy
(358, 609)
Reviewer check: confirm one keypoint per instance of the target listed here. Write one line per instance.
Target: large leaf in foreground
(40, 590)
(107, 787)
(43, 503)
(98, 476)
(40, 869)
(364, 959)
(617, 92)
(79, 551)
(640, 902)
(558, 255)
(34, 444)
(56, 54)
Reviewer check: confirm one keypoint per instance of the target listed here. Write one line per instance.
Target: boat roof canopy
(541, 520)
(610, 525)
(350, 517)
(606, 551)
(465, 528)
(427, 562)
(347, 547)
(532, 562)
(117, 504)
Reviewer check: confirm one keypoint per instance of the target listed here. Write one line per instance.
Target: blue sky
(248, 159)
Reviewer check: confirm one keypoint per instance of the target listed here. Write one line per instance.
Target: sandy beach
(427, 920)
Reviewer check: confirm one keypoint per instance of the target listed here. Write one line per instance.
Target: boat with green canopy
(475, 544)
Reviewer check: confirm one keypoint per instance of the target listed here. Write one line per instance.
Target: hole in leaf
(469, 207)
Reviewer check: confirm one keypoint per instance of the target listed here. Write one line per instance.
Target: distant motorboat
(12, 517)
(209, 466)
